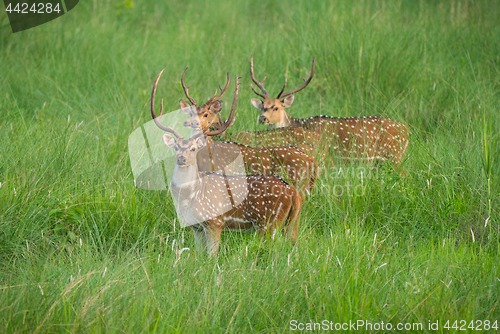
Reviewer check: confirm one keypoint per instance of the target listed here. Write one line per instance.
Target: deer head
(207, 115)
(273, 110)
(186, 149)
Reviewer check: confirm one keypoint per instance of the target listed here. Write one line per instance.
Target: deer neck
(284, 121)
(186, 176)
(287, 121)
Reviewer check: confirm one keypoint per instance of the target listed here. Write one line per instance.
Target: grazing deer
(353, 137)
(213, 202)
(289, 162)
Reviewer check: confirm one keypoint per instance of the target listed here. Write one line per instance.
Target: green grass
(83, 250)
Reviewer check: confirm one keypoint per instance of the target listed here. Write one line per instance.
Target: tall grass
(82, 249)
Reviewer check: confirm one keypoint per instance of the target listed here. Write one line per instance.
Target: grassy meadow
(83, 250)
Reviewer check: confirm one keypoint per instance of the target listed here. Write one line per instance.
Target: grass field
(83, 250)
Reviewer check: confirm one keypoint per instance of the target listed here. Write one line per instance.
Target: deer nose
(181, 160)
(262, 119)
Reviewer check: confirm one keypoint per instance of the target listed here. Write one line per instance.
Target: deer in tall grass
(371, 138)
(288, 162)
(212, 202)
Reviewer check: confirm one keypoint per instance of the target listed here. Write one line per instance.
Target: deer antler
(230, 120)
(257, 83)
(187, 88)
(282, 89)
(213, 99)
(222, 92)
(153, 114)
(306, 82)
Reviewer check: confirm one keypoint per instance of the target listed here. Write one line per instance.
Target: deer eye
(276, 108)
(206, 115)
(193, 149)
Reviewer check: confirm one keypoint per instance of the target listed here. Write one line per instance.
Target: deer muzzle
(181, 160)
(263, 119)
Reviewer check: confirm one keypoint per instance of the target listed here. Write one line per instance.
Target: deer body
(299, 137)
(270, 204)
(354, 137)
(371, 138)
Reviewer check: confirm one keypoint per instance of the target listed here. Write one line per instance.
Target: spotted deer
(212, 202)
(306, 140)
(289, 162)
(371, 138)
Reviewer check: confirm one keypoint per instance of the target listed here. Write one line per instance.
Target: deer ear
(287, 102)
(216, 107)
(257, 103)
(201, 141)
(169, 141)
(186, 108)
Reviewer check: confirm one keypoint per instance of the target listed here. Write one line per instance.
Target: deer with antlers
(289, 162)
(368, 138)
(212, 202)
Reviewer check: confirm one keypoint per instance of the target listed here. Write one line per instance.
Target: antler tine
(212, 98)
(220, 119)
(224, 126)
(306, 82)
(257, 83)
(187, 88)
(282, 89)
(153, 114)
(222, 91)
(261, 95)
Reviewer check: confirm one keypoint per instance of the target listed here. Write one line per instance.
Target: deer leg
(213, 231)
(293, 217)
(303, 181)
(277, 220)
(268, 228)
(199, 237)
(299, 178)
(314, 175)
(302, 188)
